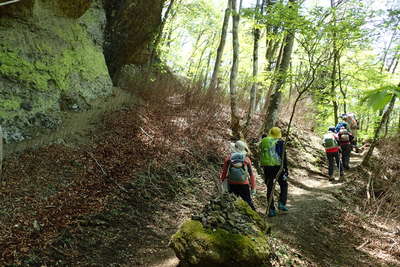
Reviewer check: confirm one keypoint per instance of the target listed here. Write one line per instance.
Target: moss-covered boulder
(219, 239)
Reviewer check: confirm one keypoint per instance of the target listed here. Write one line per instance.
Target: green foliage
(377, 99)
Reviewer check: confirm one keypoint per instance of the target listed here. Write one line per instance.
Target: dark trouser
(332, 157)
(346, 150)
(270, 173)
(243, 191)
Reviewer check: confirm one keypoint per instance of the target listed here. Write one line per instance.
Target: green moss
(54, 59)
(245, 209)
(197, 245)
(45, 56)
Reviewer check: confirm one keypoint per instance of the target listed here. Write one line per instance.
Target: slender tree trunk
(235, 119)
(160, 32)
(367, 124)
(273, 81)
(333, 74)
(191, 59)
(208, 67)
(393, 61)
(196, 76)
(253, 91)
(221, 46)
(398, 126)
(384, 119)
(387, 126)
(386, 51)
(273, 108)
(344, 93)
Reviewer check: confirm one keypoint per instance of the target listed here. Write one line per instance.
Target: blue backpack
(237, 171)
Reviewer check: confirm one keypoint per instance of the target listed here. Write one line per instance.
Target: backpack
(344, 135)
(269, 155)
(237, 171)
(329, 141)
(353, 124)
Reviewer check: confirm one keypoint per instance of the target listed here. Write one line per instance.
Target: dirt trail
(315, 223)
(77, 126)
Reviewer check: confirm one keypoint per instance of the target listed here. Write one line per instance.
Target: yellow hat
(275, 132)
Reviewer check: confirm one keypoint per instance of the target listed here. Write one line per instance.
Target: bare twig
(9, 2)
(106, 175)
(151, 137)
(363, 244)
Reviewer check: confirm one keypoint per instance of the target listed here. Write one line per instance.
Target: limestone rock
(45, 55)
(131, 28)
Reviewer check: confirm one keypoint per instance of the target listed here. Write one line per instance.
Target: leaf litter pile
(102, 202)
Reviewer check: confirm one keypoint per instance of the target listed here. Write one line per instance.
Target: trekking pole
(340, 164)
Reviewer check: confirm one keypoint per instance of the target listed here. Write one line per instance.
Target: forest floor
(115, 197)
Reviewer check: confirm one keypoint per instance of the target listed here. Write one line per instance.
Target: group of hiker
(238, 173)
(339, 142)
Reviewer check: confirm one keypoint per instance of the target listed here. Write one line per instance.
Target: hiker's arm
(224, 169)
(252, 177)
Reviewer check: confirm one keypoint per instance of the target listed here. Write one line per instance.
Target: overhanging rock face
(131, 28)
(226, 233)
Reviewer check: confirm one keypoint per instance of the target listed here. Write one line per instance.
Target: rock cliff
(52, 56)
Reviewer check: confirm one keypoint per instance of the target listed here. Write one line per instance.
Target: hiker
(332, 149)
(341, 124)
(345, 141)
(238, 170)
(271, 150)
(351, 120)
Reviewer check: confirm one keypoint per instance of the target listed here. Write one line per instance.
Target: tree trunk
(160, 32)
(386, 126)
(196, 77)
(384, 119)
(253, 91)
(191, 59)
(235, 119)
(344, 92)
(208, 67)
(221, 46)
(398, 126)
(333, 74)
(276, 73)
(273, 108)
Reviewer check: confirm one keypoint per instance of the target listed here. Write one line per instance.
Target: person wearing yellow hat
(271, 152)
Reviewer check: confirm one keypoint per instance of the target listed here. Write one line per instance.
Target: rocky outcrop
(227, 233)
(131, 28)
(52, 55)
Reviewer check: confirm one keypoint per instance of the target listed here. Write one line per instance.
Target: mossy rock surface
(48, 56)
(29, 8)
(196, 245)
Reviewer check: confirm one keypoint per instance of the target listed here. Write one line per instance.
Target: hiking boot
(282, 207)
(271, 213)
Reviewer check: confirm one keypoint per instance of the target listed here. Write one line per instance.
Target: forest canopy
(344, 55)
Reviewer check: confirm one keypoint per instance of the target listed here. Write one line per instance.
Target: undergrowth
(61, 202)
